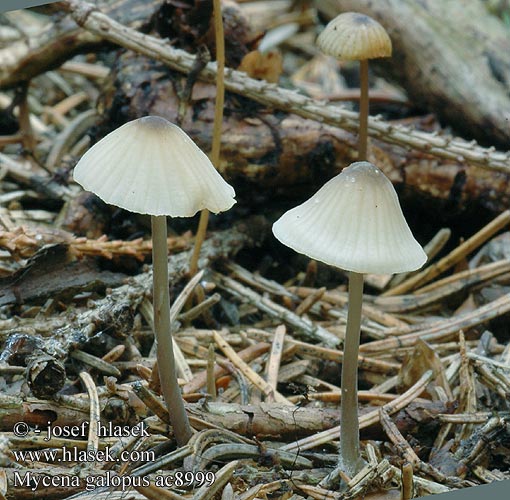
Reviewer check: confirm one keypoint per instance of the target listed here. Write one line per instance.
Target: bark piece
(53, 272)
(45, 375)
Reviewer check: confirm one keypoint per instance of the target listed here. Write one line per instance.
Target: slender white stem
(350, 460)
(165, 351)
(363, 111)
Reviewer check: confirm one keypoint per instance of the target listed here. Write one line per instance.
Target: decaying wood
(286, 100)
(262, 149)
(451, 57)
(269, 420)
(265, 153)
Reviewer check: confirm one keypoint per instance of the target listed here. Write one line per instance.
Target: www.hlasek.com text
(74, 454)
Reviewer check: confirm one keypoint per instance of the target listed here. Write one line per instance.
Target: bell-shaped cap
(353, 222)
(150, 166)
(354, 37)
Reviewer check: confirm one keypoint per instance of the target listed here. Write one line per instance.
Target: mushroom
(150, 166)
(353, 222)
(352, 36)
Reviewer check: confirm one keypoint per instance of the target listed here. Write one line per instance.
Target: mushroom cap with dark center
(353, 222)
(150, 166)
(354, 37)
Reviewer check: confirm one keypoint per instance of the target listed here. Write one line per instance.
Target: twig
(256, 379)
(257, 281)
(432, 248)
(151, 401)
(309, 301)
(365, 420)
(441, 329)
(248, 354)
(200, 308)
(362, 481)
(70, 135)
(319, 352)
(408, 453)
(453, 257)
(428, 486)
(275, 357)
(340, 298)
(440, 290)
(467, 390)
(480, 417)
(163, 462)
(219, 39)
(23, 242)
(95, 362)
(114, 354)
(396, 438)
(94, 71)
(211, 380)
(306, 327)
(28, 136)
(336, 396)
(407, 490)
(318, 493)
(476, 447)
(488, 476)
(222, 477)
(95, 412)
(153, 492)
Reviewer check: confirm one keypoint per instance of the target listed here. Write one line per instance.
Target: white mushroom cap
(353, 222)
(352, 36)
(150, 166)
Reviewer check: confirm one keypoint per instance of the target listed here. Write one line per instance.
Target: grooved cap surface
(354, 37)
(150, 166)
(353, 222)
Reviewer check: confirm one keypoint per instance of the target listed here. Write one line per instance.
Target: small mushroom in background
(150, 166)
(354, 222)
(352, 36)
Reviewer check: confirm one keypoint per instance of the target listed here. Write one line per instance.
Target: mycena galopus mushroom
(150, 166)
(353, 222)
(352, 36)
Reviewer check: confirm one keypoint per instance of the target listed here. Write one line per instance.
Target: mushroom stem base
(350, 461)
(165, 351)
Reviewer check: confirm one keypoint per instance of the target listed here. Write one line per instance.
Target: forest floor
(258, 331)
